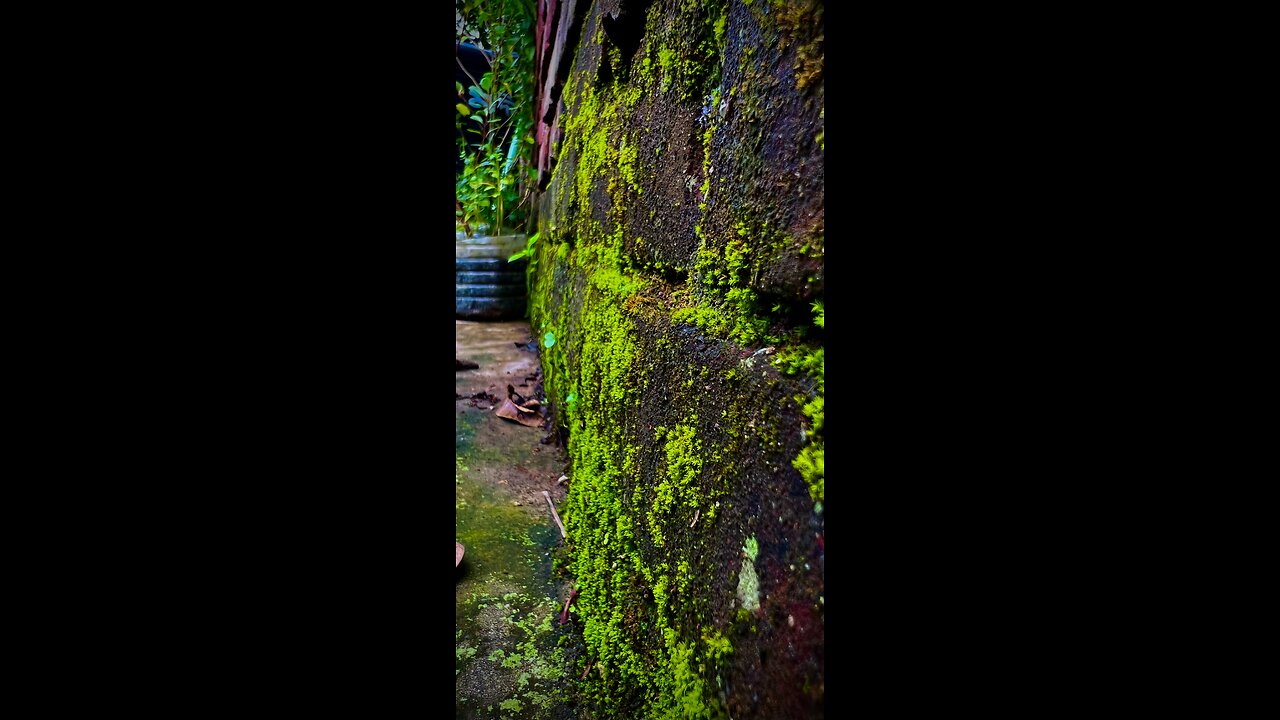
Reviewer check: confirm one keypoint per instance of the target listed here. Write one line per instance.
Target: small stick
(584, 673)
(564, 614)
(555, 515)
(695, 518)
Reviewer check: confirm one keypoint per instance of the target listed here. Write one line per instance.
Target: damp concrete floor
(513, 656)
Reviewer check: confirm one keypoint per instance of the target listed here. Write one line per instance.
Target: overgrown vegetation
(495, 116)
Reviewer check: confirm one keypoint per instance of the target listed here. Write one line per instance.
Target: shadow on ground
(514, 658)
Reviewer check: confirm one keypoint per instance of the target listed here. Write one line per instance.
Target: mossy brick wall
(677, 290)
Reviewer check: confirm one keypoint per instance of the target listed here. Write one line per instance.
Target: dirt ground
(526, 460)
(510, 659)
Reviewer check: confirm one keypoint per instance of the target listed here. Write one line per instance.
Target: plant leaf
(512, 154)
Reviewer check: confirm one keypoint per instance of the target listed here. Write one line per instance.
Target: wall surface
(677, 290)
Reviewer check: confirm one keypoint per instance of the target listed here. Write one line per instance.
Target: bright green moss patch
(813, 365)
(627, 165)
(687, 699)
(667, 61)
(718, 645)
(810, 464)
(683, 468)
(721, 22)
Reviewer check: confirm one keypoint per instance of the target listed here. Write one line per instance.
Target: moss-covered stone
(680, 271)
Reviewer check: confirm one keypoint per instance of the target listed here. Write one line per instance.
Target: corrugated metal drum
(488, 287)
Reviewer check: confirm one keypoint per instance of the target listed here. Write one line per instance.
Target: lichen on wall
(748, 581)
(680, 272)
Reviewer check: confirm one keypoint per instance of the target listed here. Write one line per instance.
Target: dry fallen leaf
(510, 411)
(526, 411)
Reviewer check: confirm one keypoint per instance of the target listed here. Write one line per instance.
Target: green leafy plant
(495, 117)
(530, 245)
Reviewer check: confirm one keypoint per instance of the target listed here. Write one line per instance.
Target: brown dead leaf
(510, 411)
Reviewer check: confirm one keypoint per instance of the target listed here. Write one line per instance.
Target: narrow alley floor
(513, 657)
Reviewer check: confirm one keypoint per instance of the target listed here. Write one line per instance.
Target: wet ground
(513, 658)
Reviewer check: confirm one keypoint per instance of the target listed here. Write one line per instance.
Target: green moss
(686, 52)
(678, 487)
(667, 61)
(708, 319)
(610, 563)
(718, 646)
(646, 70)
(627, 165)
(810, 464)
(725, 302)
(684, 576)
(531, 661)
(812, 364)
(688, 700)
(638, 553)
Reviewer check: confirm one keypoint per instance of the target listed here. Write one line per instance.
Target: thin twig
(564, 614)
(584, 672)
(695, 518)
(555, 515)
